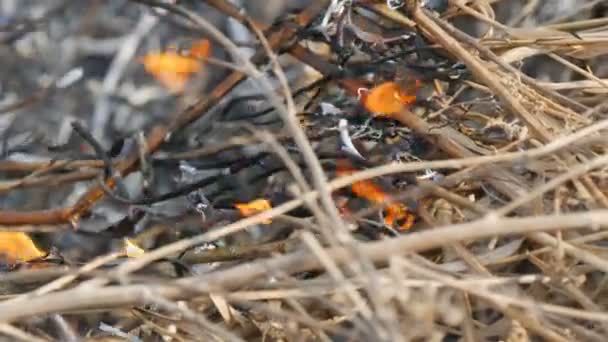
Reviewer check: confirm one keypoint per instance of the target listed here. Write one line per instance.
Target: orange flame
(372, 192)
(200, 49)
(389, 98)
(18, 247)
(174, 70)
(254, 207)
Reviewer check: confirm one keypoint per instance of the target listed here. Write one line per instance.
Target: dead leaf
(222, 306)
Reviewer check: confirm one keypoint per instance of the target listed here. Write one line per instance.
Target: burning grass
(355, 170)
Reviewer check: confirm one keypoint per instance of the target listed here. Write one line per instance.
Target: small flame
(396, 213)
(373, 192)
(18, 247)
(254, 207)
(200, 49)
(174, 70)
(389, 98)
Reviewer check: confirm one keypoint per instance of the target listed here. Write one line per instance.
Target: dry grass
(509, 242)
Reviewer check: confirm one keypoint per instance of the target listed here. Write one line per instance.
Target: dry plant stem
(287, 114)
(16, 166)
(578, 25)
(65, 331)
(286, 293)
(39, 168)
(570, 249)
(419, 241)
(501, 302)
(18, 335)
(481, 72)
(584, 7)
(449, 140)
(232, 11)
(581, 71)
(503, 180)
(544, 320)
(572, 290)
(468, 257)
(199, 319)
(72, 214)
(99, 150)
(280, 314)
(212, 149)
(468, 329)
(40, 217)
(575, 252)
(44, 167)
(293, 168)
(238, 252)
(595, 190)
(550, 247)
(33, 276)
(574, 172)
(219, 281)
(49, 180)
(474, 263)
(542, 238)
(337, 274)
(527, 79)
(116, 69)
(67, 279)
(156, 327)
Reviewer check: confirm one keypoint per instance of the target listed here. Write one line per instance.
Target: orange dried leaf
(200, 49)
(387, 98)
(18, 247)
(254, 207)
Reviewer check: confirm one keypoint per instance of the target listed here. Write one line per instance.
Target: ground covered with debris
(303, 170)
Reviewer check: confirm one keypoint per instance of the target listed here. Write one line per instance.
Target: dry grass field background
(216, 170)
